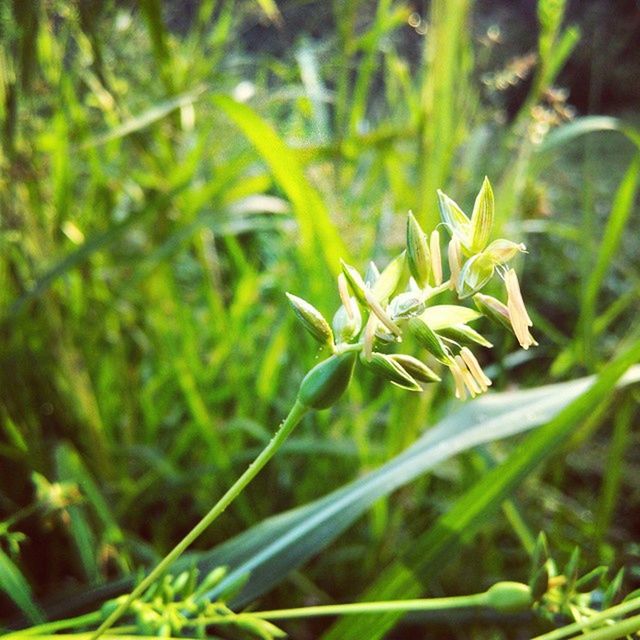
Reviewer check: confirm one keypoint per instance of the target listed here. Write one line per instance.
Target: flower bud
(456, 221)
(356, 283)
(390, 278)
(482, 217)
(464, 334)
(475, 273)
(417, 252)
(345, 328)
(327, 381)
(509, 597)
(493, 309)
(388, 368)
(428, 338)
(501, 251)
(415, 368)
(312, 320)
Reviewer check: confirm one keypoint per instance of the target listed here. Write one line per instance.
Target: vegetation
(165, 182)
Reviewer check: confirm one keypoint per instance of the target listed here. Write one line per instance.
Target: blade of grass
(15, 585)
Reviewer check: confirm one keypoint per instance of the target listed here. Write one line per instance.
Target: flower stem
(424, 604)
(295, 415)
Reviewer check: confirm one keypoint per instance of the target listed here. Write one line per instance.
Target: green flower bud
(482, 217)
(509, 597)
(312, 320)
(327, 381)
(415, 368)
(390, 278)
(386, 367)
(418, 255)
(356, 283)
(445, 315)
(345, 328)
(501, 251)
(539, 583)
(455, 220)
(475, 273)
(493, 309)
(427, 337)
(464, 335)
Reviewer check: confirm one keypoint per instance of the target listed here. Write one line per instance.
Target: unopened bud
(482, 217)
(346, 327)
(428, 338)
(327, 381)
(386, 367)
(356, 283)
(464, 334)
(501, 251)
(390, 278)
(312, 320)
(493, 309)
(509, 597)
(417, 251)
(456, 220)
(415, 368)
(475, 273)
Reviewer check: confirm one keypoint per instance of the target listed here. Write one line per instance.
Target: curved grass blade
(14, 584)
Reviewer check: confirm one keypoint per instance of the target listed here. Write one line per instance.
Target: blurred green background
(170, 169)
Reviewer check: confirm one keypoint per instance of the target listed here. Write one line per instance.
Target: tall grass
(162, 187)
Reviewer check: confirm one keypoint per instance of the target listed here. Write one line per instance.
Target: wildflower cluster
(380, 308)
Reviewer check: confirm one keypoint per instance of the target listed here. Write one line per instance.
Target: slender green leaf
(15, 585)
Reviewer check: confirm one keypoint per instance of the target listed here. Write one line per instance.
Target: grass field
(167, 174)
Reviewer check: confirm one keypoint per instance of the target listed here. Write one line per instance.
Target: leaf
(14, 584)
(316, 227)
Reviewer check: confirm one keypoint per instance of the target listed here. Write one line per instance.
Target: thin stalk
(295, 415)
(618, 610)
(423, 604)
(57, 625)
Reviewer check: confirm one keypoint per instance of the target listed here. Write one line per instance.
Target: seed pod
(482, 217)
(386, 367)
(417, 251)
(509, 597)
(428, 339)
(415, 368)
(312, 320)
(327, 381)
(464, 335)
(475, 273)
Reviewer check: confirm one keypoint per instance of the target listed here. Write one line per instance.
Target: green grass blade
(430, 552)
(316, 227)
(14, 584)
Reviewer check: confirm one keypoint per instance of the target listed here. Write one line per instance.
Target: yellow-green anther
(415, 368)
(427, 337)
(469, 381)
(418, 255)
(464, 334)
(474, 367)
(520, 320)
(456, 220)
(509, 597)
(482, 217)
(369, 335)
(381, 314)
(356, 283)
(436, 257)
(456, 372)
(327, 381)
(312, 320)
(390, 278)
(386, 367)
(347, 299)
(501, 251)
(475, 273)
(454, 254)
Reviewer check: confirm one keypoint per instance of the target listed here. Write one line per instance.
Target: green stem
(619, 610)
(57, 625)
(295, 415)
(424, 604)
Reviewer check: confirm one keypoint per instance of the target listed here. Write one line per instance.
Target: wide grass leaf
(14, 584)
